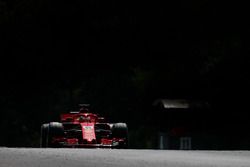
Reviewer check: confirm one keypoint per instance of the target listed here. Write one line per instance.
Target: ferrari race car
(84, 129)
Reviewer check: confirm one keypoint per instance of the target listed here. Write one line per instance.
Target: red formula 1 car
(84, 129)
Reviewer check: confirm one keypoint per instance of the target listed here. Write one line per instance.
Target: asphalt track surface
(35, 157)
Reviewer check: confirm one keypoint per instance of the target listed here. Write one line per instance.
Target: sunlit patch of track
(34, 157)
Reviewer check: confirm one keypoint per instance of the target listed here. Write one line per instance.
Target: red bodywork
(86, 130)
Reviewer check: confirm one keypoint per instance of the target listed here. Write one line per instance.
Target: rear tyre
(120, 130)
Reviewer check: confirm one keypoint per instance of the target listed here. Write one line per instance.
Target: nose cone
(88, 132)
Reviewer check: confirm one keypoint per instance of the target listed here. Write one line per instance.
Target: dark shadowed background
(120, 56)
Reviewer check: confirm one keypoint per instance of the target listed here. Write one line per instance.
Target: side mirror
(100, 119)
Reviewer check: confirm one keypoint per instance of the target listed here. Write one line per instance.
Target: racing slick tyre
(120, 130)
(44, 135)
(55, 130)
(49, 132)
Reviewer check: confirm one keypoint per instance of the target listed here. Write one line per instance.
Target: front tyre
(49, 132)
(44, 135)
(120, 131)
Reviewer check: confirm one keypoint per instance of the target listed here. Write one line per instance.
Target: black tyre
(49, 131)
(120, 130)
(44, 135)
